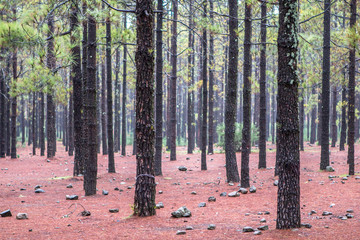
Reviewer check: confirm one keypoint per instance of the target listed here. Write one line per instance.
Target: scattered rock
(265, 227)
(114, 210)
(104, 192)
(159, 205)
(39, 190)
(247, 214)
(248, 229)
(234, 194)
(202, 204)
(306, 225)
(344, 218)
(211, 227)
(231, 184)
(181, 232)
(69, 186)
(181, 212)
(326, 213)
(276, 182)
(116, 189)
(332, 205)
(348, 215)
(267, 213)
(243, 190)
(257, 233)
(85, 213)
(329, 169)
(212, 199)
(160, 192)
(223, 194)
(182, 168)
(193, 193)
(344, 178)
(189, 228)
(22, 189)
(263, 220)
(22, 216)
(349, 211)
(357, 177)
(72, 197)
(187, 158)
(6, 213)
(129, 187)
(252, 189)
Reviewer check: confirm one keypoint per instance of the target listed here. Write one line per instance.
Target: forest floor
(51, 216)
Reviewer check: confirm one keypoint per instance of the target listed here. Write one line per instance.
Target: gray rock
(114, 210)
(344, 178)
(276, 182)
(85, 213)
(312, 212)
(202, 204)
(231, 184)
(223, 194)
(349, 211)
(234, 194)
(306, 225)
(247, 214)
(265, 227)
(187, 158)
(180, 232)
(243, 190)
(39, 190)
(326, 213)
(329, 169)
(348, 215)
(116, 189)
(104, 192)
(357, 177)
(22, 216)
(181, 212)
(257, 233)
(159, 205)
(193, 193)
(160, 192)
(6, 213)
(182, 168)
(72, 197)
(260, 213)
(212, 199)
(211, 227)
(267, 213)
(252, 189)
(22, 189)
(248, 229)
(263, 220)
(189, 228)
(129, 187)
(69, 186)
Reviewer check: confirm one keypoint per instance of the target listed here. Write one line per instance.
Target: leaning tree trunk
(288, 207)
(144, 202)
(232, 172)
(351, 103)
(246, 132)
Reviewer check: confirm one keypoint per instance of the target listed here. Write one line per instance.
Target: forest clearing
(51, 216)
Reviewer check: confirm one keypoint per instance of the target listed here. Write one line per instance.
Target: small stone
(276, 182)
(72, 197)
(129, 187)
(223, 194)
(257, 233)
(267, 213)
(189, 228)
(159, 205)
(39, 190)
(37, 186)
(247, 214)
(357, 177)
(326, 213)
(182, 168)
(104, 192)
(22, 189)
(332, 205)
(265, 227)
(252, 189)
(20, 216)
(330, 169)
(231, 184)
(234, 194)
(344, 218)
(312, 212)
(69, 186)
(243, 190)
(30, 230)
(123, 183)
(181, 212)
(187, 158)
(6, 213)
(349, 211)
(306, 225)
(181, 232)
(344, 178)
(47, 160)
(348, 215)
(263, 220)
(211, 227)
(114, 210)
(116, 189)
(193, 193)
(202, 204)
(248, 229)
(326, 226)
(212, 199)
(160, 192)
(85, 213)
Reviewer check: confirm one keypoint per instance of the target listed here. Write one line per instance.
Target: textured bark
(232, 172)
(22, 104)
(34, 135)
(71, 120)
(123, 124)
(172, 94)
(301, 118)
(273, 114)
(325, 95)
(334, 117)
(343, 118)
(351, 102)
(159, 90)
(246, 132)
(110, 137)
(144, 202)
(318, 136)
(211, 83)
(2, 115)
(204, 94)
(13, 107)
(90, 172)
(313, 121)
(117, 102)
(103, 109)
(77, 93)
(288, 206)
(262, 117)
(42, 124)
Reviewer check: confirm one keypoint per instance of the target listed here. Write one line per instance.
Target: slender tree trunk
(313, 120)
(34, 142)
(123, 123)
(343, 117)
(42, 124)
(351, 103)
(14, 106)
(288, 206)
(22, 103)
(2, 114)
(117, 102)
(211, 83)
(301, 117)
(71, 119)
(144, 202)
(262, 118)
(334, 117)
(103, 109)
(246, 132)
(319, 124)
(90, 172)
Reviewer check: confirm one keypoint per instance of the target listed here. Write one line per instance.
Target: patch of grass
(60, 178)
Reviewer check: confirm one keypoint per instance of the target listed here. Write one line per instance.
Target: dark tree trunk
(273, 114)
(319, 119)
(31, 110)
(173, 109)
(13, 107)
(343, 117)
(262, 118)
(313, 120)
(90, 172)
(123, 123)
(351, 103)
(301, 117)
(98, 104)
(211, 83)
(333, 118)
(144, 202)
(2, 114)
(205, 94)
(110, 138)
(288, 206)
(76, 78)
(42, 124)
(34, 135)
(8, 116)
(103, 110)
(71, 120)
(22, 103)
(325, 95)
(246, 132)
(134, 127)
(159, 90)
(232, 172)
(117, 102)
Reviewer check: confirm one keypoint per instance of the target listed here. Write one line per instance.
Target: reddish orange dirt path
(46, 211)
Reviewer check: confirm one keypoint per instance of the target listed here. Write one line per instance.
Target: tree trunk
(288, 207)
(13, 107)
(117, 102)
(211, 83)
(343, 117)
(301, 117)
(144, 202)
(2, 114)
(123, 123)
(42, 124)
(71, 118)
(22, 103)
(262, 118)
(103, 109)
(313, 121)
(334, 117)
(246, 132)
(34, 135)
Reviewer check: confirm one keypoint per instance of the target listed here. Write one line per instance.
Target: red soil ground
(46, 211)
